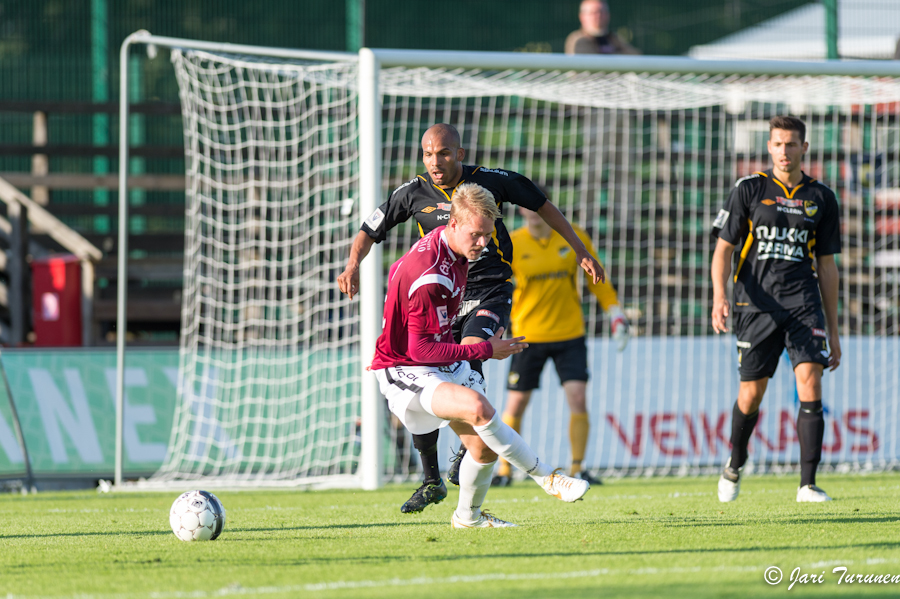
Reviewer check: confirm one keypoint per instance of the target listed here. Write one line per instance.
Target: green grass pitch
(662, 537)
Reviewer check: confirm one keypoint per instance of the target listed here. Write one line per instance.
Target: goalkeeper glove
(619, 325)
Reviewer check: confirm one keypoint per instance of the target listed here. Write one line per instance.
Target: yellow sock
(579, 427)
(516, 424)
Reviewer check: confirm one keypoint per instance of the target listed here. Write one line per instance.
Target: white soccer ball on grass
(197, 516)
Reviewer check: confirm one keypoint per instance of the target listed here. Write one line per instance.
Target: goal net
(643, 162)
(270, 378)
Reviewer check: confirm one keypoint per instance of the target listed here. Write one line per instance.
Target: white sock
(507, 443)
(474, 482)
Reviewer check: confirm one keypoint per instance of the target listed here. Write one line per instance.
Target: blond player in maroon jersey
(425, 375)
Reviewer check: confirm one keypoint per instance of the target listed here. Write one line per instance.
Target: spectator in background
(594, 37)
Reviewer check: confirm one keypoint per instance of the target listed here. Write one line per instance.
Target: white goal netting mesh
(642, 161)
(268, 376)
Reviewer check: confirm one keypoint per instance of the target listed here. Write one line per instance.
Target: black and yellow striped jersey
(778, 232)
(546, 302)
(429, 204)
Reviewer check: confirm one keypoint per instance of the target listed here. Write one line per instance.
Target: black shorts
(483, 311)
(762, 336)
(569, 357)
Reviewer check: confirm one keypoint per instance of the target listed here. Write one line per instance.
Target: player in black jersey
(488, 295)
(785, 295)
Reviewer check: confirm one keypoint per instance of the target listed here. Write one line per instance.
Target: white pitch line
(338, 585)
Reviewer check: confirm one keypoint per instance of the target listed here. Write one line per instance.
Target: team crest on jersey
(810, 207)
(563, 252)
(442, 206)
(443, 315)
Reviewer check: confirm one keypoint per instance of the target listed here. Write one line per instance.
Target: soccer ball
(197, 516)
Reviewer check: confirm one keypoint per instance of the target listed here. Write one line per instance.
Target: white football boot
(485, 520)
(811, 493)
(729, 483)
(566, 488)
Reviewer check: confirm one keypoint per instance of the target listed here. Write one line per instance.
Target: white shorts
(410, 389)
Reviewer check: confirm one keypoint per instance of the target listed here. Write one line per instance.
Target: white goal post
(639, 151)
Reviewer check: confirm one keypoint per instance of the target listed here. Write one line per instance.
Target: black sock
(811, 431)
(742, 426)
(428, 451)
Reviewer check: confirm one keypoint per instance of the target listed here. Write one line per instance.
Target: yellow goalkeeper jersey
(546, 304)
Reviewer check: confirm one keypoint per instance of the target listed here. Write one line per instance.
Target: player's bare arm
(829, 285)
(504, 348)
(559, 223)
(720, 270)
(348, 281)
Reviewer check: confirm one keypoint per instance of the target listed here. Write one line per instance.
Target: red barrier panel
(56, 301)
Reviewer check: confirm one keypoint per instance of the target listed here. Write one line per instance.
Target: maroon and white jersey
(425, 289)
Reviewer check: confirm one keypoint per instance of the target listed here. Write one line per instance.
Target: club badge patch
(721, 218)
(375, 219)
